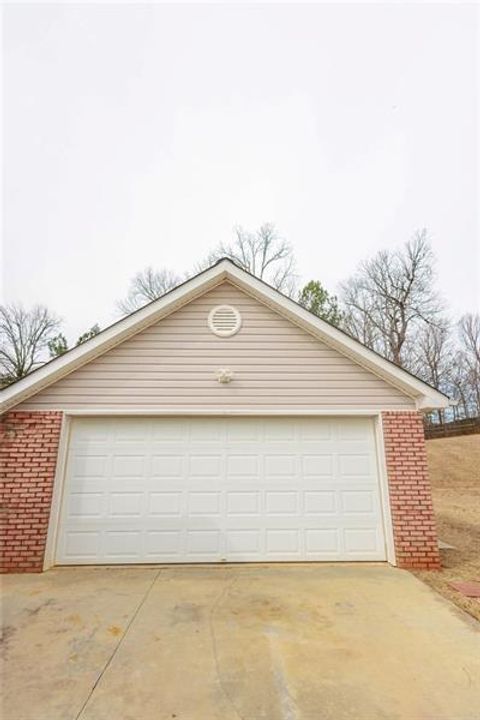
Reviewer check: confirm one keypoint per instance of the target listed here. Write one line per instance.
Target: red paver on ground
(470, 589)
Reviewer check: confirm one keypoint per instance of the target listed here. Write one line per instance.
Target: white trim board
(426, 397)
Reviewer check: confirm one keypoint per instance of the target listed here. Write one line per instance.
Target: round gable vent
(224, 320)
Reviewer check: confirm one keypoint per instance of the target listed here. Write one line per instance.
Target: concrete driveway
(281, 642)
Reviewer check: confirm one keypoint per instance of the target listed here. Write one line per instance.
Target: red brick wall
(413, 520)
(28, 457)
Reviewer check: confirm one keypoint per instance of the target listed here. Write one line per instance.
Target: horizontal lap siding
(173, 363)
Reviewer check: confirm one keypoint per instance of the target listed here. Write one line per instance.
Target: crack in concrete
(215, 607)
(119, 644)
(288, 706)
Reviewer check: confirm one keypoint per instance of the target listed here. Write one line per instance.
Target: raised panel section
(320, 502)
(167, 466)
(280, 466)
(281, 503)
(85, 505)
(243, 503)
(81, 545)
(127, 504)
(204, 503)
(318, 466)
(204, 466)
(203, 542)
(243, 542)
(358, 502)
(361, 540)
(130, 466)
(282, 540)
(243, 465)
(163, 543)
(123, 543)
(89, 466)
(164, 503)
(322, 540)
(355, 466)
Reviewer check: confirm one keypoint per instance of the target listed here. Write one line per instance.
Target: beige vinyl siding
(172, 365)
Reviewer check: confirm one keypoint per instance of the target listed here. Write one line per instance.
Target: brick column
(414, 529)
(28, 458)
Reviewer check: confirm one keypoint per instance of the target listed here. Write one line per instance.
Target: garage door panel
(164, 503)
(316, 433)
(238, 433)
(320, 502)
(243, 466)
(168, 466)
(126, 504)
(163, 544)
(359, 502)
(243, 543)
(318, 466)
(323, 541)
(89, 465)
(360, 540)
(243, 502)
(132, 466)
(284, 541)
(282, 502)
(353, 430)
(204, 466)
(216, 489)
(123, 544)
(85, 505)
(204, 541)
(77, 545)
(205, 503)
(355, 466)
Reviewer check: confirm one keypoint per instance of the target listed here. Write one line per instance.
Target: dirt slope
(455, 476)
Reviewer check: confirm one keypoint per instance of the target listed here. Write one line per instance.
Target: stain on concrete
(8, 632)
(114, 630)
(186, 612)
(74, 618)
(50, 602)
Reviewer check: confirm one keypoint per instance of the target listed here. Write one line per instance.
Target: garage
(160, 490)
(221, 422)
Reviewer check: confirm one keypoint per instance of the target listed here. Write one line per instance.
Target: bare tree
(467, 365)
(262, 253)
(145, 286)
(460, 387)
(431, 357)
(24, 336)
(432, 354)
(469, 326)
(391, 296)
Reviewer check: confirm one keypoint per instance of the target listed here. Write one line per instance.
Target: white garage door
(150, 490)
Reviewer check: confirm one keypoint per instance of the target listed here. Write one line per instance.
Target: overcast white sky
(140, 135)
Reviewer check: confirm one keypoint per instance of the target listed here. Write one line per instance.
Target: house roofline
(425, 396)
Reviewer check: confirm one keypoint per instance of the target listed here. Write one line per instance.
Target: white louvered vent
(224, 320)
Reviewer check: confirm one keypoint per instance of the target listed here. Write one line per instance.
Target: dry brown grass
(454, 465)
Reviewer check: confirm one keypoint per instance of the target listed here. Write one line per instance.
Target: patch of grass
(454, 465)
